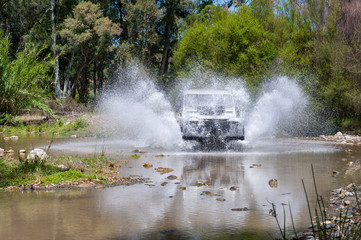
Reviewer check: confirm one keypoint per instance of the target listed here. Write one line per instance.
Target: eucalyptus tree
(89, 36)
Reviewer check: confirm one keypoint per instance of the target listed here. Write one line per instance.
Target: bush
(22, 80)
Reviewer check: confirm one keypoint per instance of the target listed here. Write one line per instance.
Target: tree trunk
(100, 80)
(56, 74)
(67, 78)
(169, 22)
(83, 90)
(95, 81)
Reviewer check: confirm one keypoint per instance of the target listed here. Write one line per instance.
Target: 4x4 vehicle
(210, 114)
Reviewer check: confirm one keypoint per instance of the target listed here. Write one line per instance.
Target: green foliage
(22, 80)
(135, 156)
(231, 43)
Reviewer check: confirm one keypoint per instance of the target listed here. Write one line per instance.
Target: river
(196, 205)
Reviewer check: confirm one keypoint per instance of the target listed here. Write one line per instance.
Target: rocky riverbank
(342, 211)
(340, 138)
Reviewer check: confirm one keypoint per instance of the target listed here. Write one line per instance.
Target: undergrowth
(58, 126)
(47, 172)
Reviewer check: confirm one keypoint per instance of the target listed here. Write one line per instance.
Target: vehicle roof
(206, 91)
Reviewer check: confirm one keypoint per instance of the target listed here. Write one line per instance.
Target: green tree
(89, 37)
(231, 43)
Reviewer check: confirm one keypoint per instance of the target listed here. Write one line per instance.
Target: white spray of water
(280, 103)
(137, 110)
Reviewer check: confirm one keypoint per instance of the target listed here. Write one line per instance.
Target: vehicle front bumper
(227, 129)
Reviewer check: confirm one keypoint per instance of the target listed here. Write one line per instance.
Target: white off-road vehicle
(210, 115)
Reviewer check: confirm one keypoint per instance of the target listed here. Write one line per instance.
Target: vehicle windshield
(195, 100)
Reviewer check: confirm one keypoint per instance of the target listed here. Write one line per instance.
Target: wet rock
(183, 188)
(273, 183)
(233, 188)
(257, 165)
(136, 151)
(14, 138)
(37, 153)
(2, 153)
(221, 199)
(240, 209)
(6, 138)
(162, 170)
(172, 177)
(334, 172)
(164, 183)
(209, 193)
(147, 165)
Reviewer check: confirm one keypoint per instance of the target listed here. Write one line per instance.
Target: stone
(240, 209)
(10, 154)
(338, 134)
(273, 183)
(172, 177)
(14, 138)
(147, 165)
(62, 167)
(2, 152)
(37, 153)
(233, 188)
(221, 199)
(22, 155)
(73, 136)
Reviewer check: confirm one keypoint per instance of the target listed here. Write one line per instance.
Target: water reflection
(180, 209)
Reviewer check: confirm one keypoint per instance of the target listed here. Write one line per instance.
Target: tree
(231, 43)
(174, 11)
(89, 36)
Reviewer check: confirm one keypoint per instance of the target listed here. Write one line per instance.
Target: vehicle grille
(205, 110)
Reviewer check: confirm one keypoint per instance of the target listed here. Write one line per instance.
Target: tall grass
(342, 229)
(23, 80)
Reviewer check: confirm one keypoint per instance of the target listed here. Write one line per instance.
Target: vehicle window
(195, 100)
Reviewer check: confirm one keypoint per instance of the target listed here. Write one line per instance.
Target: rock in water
(273, 183)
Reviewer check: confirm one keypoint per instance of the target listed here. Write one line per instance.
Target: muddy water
(181, 208)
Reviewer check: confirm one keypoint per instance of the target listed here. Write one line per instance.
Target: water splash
(280, 103)
(136, 110)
